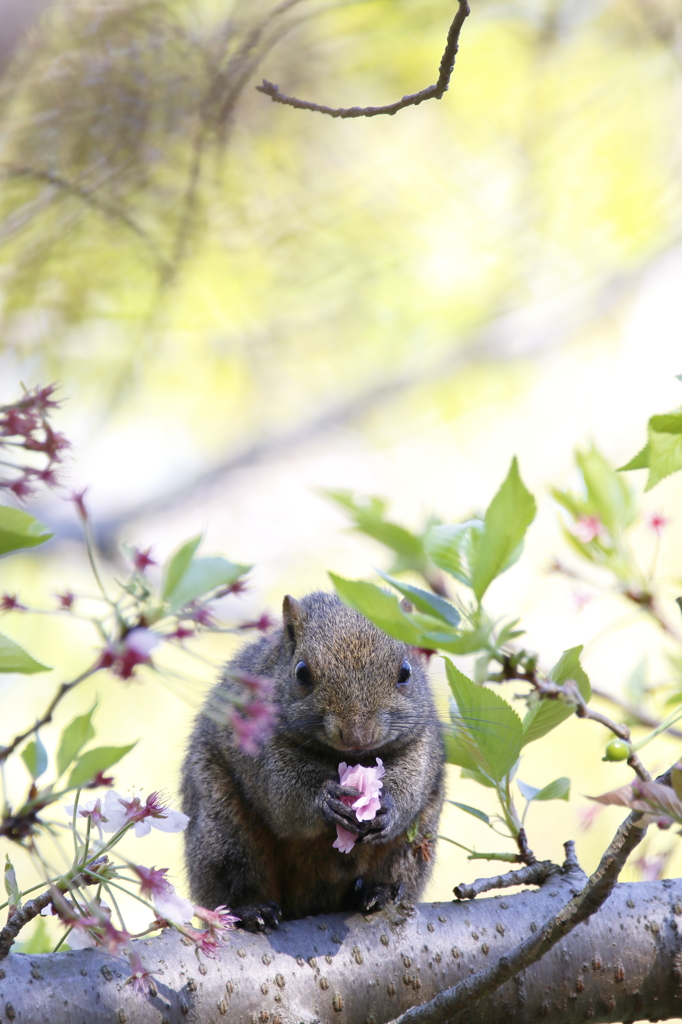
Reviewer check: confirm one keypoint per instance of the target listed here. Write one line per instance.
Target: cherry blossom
(153, 813)
(368, 782)
(140, 978)
(657, 522)
(253, 724)
(588, 528)
(92, 810)
(167, 902)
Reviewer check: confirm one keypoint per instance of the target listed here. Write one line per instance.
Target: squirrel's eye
(405, 673)
(302, 673)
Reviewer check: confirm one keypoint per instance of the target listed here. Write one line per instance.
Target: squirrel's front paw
(383, 826)
(256, 917)
(334, 810)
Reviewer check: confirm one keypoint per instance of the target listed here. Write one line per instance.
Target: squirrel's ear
(291, 613)
(406, 605)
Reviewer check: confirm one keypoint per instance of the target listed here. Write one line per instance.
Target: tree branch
(532, 874)
(585, 903)
(350, 969)
(20, 918)
(435, 91)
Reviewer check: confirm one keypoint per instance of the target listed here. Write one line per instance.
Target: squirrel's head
(349, 685)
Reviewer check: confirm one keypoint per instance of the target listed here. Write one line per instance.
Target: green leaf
(177, 566)
(557, 790)
(14, 658)
(662, 454)
(609, 496)
(413, 829)
(11, 886)
(452, 548)
(476, 776)
(34, 757)
(545, 715)
(368, 516)
(489, 729)
(509, 515)
(202, 576)
(665, 447)
(379, 607)
(76, 734)
(560, 789)
(425, 601)
(639, 461)
(20, 530)
(95, 761)
(481, 815)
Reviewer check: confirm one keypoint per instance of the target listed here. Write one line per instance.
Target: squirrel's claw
(258, 916)
(334, 810)
(376, 897)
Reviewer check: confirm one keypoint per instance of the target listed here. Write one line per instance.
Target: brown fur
(261, 829)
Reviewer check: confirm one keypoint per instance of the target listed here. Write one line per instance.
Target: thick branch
(585, 903)
(346, 969)
(435, 91)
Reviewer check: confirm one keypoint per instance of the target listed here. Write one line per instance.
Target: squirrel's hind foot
(256, 917)
(372, 898)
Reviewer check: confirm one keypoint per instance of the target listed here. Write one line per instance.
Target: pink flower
(657, 522)
(253, 724)
(219, 918)
(587, 528)
(264, 623)
(142, 559)
(135, 649)
(587, 816)
(167, 902)
(139, 977)
(120, 812)
(368, 782)
(91, 810)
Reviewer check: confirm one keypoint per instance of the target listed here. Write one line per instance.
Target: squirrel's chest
(314, 878)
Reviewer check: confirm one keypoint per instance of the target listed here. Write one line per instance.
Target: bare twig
(47, 715)
(452, 1001)
(21, 917)
(532, 874)
(641, 717)
(435, 91)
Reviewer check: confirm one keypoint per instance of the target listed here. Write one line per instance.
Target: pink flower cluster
(134, 649)
(24, 428)
(115, 812)
(254, 718)
(212, 938)
(368, 782)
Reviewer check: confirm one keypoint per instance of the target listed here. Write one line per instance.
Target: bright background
(395, 305)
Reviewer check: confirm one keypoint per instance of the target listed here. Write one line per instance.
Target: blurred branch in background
(514, 337)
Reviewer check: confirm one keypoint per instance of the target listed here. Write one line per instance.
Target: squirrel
(262, 825)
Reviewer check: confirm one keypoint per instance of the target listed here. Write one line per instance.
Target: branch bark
(436, 91)
(621, 964)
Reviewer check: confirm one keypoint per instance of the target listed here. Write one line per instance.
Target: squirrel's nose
(358, 736)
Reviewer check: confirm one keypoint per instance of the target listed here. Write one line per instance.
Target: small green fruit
(618, 750)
